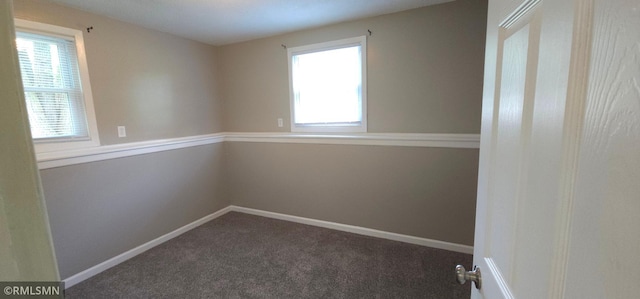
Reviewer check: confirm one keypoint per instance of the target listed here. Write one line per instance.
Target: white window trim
(336, 44)
(76, 35)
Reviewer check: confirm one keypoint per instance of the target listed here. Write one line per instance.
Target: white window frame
(48, 145)
(331, 45)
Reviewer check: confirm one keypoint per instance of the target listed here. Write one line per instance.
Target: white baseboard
(360, 230)
(86, 274)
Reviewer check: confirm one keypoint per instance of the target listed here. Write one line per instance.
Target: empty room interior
(190, 133)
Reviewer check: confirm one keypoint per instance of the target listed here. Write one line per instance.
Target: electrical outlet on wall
(122, 131)
(280, 123)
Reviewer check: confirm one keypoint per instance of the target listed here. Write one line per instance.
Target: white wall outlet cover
(122, 131)
(280, 122)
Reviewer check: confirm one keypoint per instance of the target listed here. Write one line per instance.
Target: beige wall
(425, 70)
(424, 73)
(423, 192)
(425, 76)
(102, 209)
(157, 85)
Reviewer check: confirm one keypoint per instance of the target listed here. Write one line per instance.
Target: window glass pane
(52, 86)
(49, 114)
(327, 86)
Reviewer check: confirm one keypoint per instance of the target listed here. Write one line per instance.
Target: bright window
(328, 86)
(56, 86)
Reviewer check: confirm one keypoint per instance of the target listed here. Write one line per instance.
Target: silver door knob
(462, 275)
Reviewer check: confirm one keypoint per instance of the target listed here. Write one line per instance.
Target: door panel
(605, 223)
(508, 150)
(522, 151)
(26, 249)
(558, 203)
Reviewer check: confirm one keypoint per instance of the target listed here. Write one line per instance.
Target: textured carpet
(246, 256)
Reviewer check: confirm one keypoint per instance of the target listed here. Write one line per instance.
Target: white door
(26, 249)
(558, 212)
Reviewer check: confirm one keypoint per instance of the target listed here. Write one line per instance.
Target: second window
(327, 84)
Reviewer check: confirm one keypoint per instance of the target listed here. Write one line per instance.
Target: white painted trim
(77, 156)
(502, 284)
(84, 155)
(86, 274)
(359, 230)
(388, 139)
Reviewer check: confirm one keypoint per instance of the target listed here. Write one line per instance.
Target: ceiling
(219, 22)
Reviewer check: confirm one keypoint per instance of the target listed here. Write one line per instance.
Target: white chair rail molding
(84, 155)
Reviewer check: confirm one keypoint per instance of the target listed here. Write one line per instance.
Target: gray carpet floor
(246, 256)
